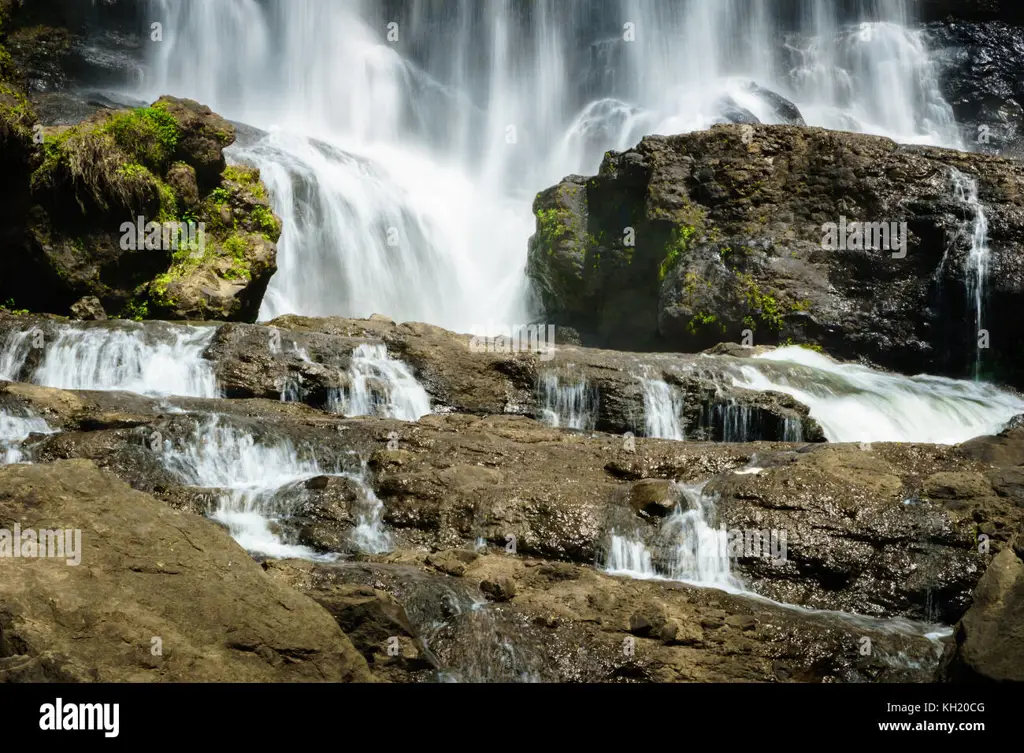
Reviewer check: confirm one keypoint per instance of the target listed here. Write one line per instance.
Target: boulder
(732, 235)
(989, 637)
(156, 595)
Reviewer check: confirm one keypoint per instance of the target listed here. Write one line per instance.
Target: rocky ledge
(722, 236)
(433, 543)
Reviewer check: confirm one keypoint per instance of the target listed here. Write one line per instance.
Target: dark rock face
(981, 67)
(723, 235)
(970, 10)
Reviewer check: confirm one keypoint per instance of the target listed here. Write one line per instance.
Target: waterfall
(688, 547)
(406, 183)
(15, 429)
(567, 406)
(370, 535)
(259, 483)
(793, 430)
(663, 410)
(853, 403)
(249, 479)
(15, 352)
(380, 386)
(155, 360)
(965, 190)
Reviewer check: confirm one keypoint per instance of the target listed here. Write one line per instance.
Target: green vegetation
(11, 308)
(135, 310)
(678, 246)
(763, 308)
(790, 342)
(553, 225)
(266, 222)
(248, 177)
(148, 135)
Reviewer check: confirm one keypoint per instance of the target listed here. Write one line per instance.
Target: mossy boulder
(139, 209)
(722, 235)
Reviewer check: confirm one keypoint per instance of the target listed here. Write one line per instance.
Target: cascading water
(663, 410)
(260, 483)
(15, 429)
(380, 386)
(248, 478)
(853, 403)
(164, 360)
(406, 182)
(965, 190)
(688, 549)
(567, 406)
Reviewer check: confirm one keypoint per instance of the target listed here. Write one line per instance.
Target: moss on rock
(139, 209)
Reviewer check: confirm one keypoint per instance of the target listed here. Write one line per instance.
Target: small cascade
(629, 556)
(567, 406)
(14, 430)
(965, 189)
(15, 351)
(792, 430)
(252, 482)
(853, 403)
(698, 553)
(258, 484)
(663, 410)
(157, 360)
(380, 386)
(370, 536)
(687, 547)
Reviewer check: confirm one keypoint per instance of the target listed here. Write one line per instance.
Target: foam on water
(153, 360)
(856, 404)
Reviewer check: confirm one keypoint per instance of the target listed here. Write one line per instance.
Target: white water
(567, 406)
(856, 404)
(381, 386)
(405, 168)
(14, 430)
(965, 189)
(370, 534)
(689, 549)
(663, 410)
(150, 361)
(15, 352)
(261, 483)
(249, 477)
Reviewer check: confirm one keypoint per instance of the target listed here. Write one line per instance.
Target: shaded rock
(654, 497)
(501, 589)
(731, 230)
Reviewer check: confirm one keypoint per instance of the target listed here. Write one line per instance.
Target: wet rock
(731, 245)
(653, 497)
(501, 589)
(579, 630)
